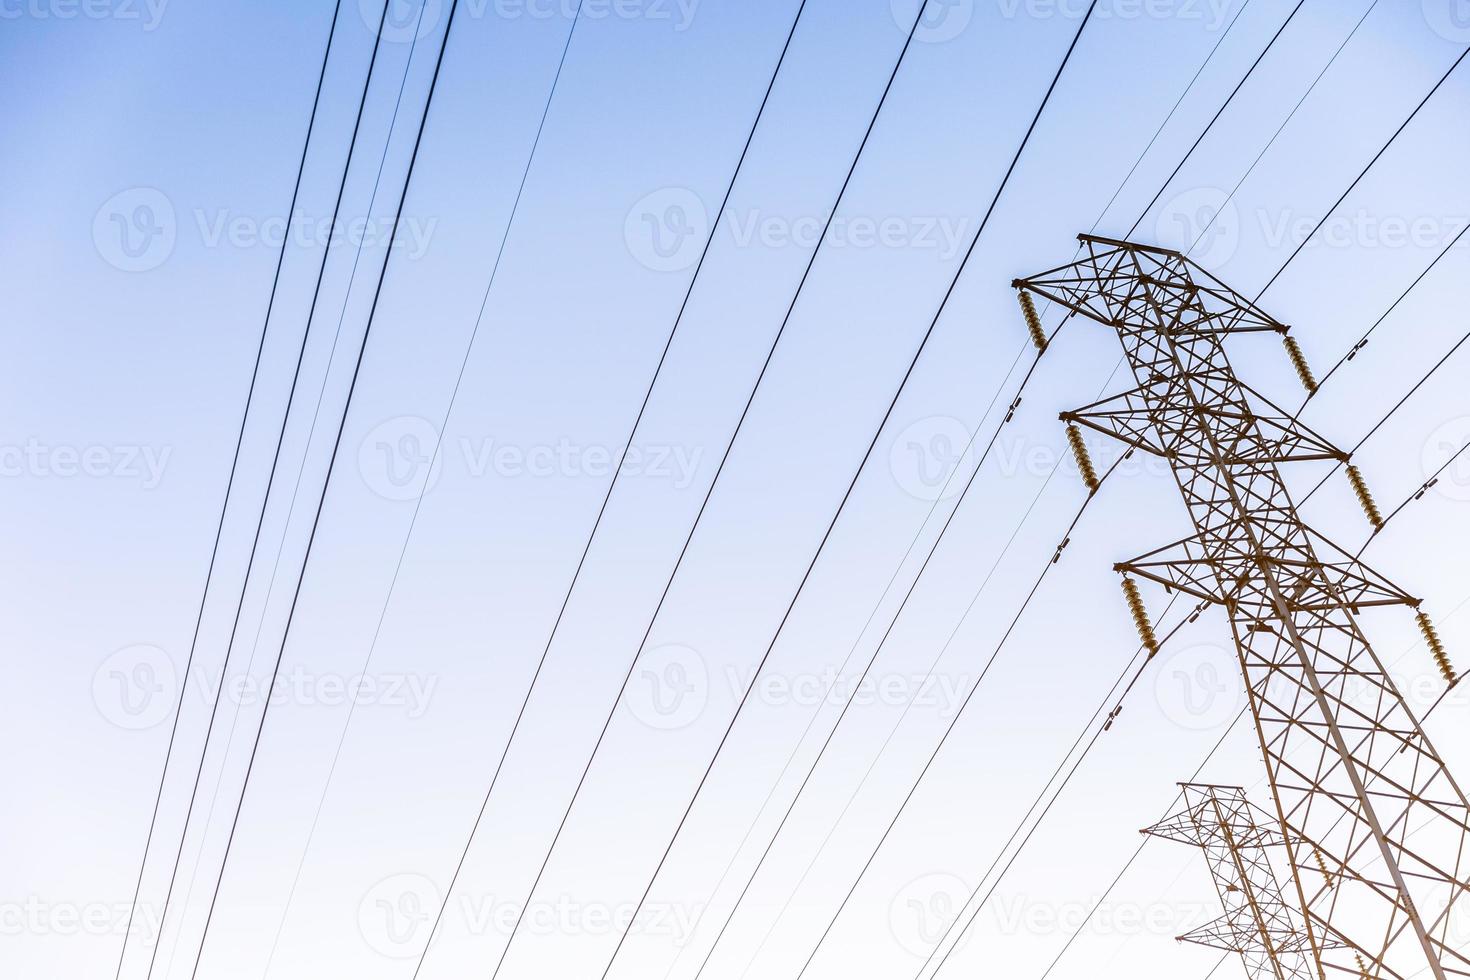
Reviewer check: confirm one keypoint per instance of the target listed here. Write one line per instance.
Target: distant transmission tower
(1258, 923)
(1357, 786)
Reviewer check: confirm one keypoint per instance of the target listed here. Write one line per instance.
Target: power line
(1384, 420)
(1102, 707)
(954, 721)
(265, 502)
(1175, 108)
(1236, 720)
(1379, 321)
(331, 468)
(1140, 219)
(296, 489)
(1356, 180)
(1278, 273)
(1356, 348)
(225, 506)
(1424, 488)
(418, 503)
(1210, 755)
(1372, 536)
(1282, 128)
(607, 497)
(826, 536)
(684, 549)
(1215, 118)
(967, 452)
(872, 765)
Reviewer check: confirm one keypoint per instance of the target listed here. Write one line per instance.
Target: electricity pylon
(1258, 923)
(1353, 776)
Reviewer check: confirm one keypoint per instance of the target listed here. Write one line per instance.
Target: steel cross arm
(1198, 566)
(1100, 285)
(1135, 418)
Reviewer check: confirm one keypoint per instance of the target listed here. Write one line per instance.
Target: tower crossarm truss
(1331, 577)
(1258, 922)
(1356, 784)
(1149, 412)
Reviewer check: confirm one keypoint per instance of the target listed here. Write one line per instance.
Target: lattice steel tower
(1258, 922)
(1374, 825)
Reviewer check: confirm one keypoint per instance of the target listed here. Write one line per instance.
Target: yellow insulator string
(1299, 361)
(1084, 460)
(1140, 616)
(1441, 658)
(1322, 863)
(1033, 321)
(1360, 487)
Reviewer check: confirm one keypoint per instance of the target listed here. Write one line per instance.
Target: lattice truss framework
(1258, 922)
(1354, 780)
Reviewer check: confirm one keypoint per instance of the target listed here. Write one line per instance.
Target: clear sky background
(149, 154)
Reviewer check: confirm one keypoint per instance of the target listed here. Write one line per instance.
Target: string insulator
(1322, 864)
(1084, 460)
(1360, 487)
(1431, 639)
(1033, 321)
(1363, 968)
(1140, 616)
(1299, 361)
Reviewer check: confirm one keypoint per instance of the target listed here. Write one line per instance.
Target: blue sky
(150, 155)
